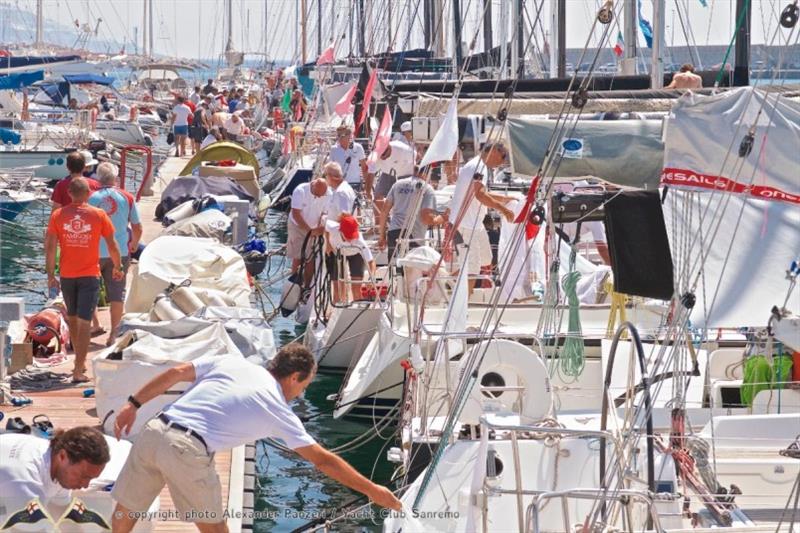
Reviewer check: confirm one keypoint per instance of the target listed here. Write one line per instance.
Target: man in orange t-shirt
(77, 229)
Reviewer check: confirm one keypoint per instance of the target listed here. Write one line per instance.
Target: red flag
(5, 53)
(383, 137)
(373, 78)
(345, 104)
(327, 56)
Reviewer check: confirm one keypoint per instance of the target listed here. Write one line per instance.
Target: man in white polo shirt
(309, 201)
(396, 162)
(468, 207)
(350, 156)
(231, 402)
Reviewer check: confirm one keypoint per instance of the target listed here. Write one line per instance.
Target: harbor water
(289, 491)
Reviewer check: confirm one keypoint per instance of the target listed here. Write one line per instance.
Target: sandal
(16, 425)
(42, 427)
(96, 332)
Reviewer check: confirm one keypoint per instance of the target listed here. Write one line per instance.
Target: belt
(180, 427)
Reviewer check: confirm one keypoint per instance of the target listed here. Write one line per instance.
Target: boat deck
(66, 407)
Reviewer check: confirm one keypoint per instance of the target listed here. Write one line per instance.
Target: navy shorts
(354, 262)
(80, 296)
(181, 130)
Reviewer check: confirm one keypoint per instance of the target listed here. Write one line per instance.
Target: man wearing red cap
(347, 243)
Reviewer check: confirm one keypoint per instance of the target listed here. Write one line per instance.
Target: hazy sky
(194, 28)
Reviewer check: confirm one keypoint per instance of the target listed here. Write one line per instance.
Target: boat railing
(547, 431)
(622, 496)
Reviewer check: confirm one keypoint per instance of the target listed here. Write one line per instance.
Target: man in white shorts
(469, 204)
(230, 402)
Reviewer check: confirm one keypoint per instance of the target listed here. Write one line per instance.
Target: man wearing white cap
(396, 162)
(405, 134)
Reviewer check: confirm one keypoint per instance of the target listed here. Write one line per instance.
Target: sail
(624, 152)
(743, 260)
(704, 137)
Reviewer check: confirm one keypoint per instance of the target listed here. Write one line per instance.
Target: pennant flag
(345, 105)
(619, 48)
(704, 3)
(445, 142)
(382, 138)
(644, 25)
(373, 79)
(327, 56)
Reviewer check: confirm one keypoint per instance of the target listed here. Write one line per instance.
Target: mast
(333, 20)
(504, 39)
(656, 56)
(389, 26)
(229, 27)
(487, 25)
(362, 43)
(319, 27)
(303, 22)
(518, 46)
(438, 28)
(427, 23)
(459, 52)
(39, 24)
(562, 38)
(629, 36)
(266, 40)
(144, 30)
(741, 61)
(150, 23)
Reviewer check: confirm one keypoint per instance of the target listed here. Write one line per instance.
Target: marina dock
(67, 407)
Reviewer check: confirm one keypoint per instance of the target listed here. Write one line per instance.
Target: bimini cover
(139, 356)
(220, 151)
(705, 136)
(207, 263)
(624, 152)
(185, 188)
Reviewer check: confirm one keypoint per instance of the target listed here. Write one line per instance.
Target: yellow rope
(618, 301)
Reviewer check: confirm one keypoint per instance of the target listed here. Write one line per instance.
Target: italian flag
(619, 48)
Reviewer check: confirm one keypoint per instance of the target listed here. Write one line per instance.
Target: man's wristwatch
(134, 402)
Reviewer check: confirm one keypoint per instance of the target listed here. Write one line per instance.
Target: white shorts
(476, 241)
(294, 242)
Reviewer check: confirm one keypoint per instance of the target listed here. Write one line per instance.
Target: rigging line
(692, 52)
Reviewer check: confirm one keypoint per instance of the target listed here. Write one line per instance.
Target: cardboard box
(243, 174)
(21, 356)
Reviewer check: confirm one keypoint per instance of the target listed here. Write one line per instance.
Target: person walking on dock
(76, 164)
(231, 402)
(180, 124)
(120, 207)
(77, 229)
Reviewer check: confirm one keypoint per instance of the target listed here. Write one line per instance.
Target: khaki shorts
(480, 250)
(163, 455)
(294, 242)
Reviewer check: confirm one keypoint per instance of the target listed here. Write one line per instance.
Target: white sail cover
(704, 133)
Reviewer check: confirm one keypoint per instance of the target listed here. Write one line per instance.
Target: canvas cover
(623, 152)
(211, 223)
(144, 357)
(185, 188)
(246, 327)
(170, 259)
(703, 137)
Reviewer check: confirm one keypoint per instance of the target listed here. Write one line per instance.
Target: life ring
(507, 363)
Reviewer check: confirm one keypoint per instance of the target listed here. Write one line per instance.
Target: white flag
(445, 142)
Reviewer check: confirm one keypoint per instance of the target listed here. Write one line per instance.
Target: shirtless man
(686, 79)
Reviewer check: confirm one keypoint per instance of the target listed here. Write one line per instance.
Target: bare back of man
(686, 79)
